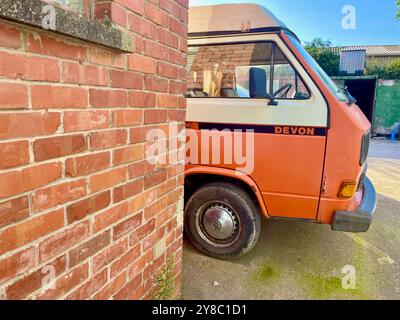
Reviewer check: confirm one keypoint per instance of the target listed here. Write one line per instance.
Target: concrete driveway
(300, 260)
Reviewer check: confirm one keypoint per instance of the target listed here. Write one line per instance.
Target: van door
(289, 135)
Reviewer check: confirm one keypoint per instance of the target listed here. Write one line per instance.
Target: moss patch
(264, 273)
(330, 287)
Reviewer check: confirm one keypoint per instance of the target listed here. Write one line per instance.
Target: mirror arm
(273, 102)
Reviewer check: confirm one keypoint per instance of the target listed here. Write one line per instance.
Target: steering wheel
(285, 90)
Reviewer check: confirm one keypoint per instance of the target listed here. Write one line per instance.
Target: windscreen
(320, 72)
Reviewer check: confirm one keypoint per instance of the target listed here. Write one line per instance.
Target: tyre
(222, 220)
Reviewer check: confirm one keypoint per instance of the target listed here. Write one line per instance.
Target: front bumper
(361, 219)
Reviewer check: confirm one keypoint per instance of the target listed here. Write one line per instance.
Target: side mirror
(258, 85)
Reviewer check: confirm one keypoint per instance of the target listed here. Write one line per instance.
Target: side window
(223, 71)
(287, 84)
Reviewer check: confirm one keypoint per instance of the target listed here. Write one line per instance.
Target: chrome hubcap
(220, 222)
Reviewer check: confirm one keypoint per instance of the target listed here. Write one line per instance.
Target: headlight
(364, 147)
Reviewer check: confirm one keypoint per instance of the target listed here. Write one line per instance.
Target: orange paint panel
(291, 206)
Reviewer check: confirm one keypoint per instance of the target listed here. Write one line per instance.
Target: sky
(375, 21)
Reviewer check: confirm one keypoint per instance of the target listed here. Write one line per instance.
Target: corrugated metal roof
(373, 50)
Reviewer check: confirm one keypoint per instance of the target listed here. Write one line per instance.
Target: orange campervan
(274, 135)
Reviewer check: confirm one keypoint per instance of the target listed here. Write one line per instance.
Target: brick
(156, 15)
(143, 134)
(13, 96)
(16, 264)
(170, 6)
(142, 99)
(17, 66)
(50, 148)
(9, 36)
(142, 63)
(83, 208)
(107, 179)
(182, 102)
(125, 118)
(176, 87)
(174, 196)
(62, 241)
(143, 27)
(126, 80)
(152, 239)
(107, 57)
(39, 43)
(111, 288)
(175, 170)
(155, 208)
(178, 58)
(141, 201)
(168, 38)
(139, 43)
(50, 97)
(56, 195)
(167, 101)
(127, 226)
(167, 70)
(109, 254)
(30, 230)
(166, 187)
(136, 6)
(128, 190)
(108, 98)
(86, 290)
(165, 216)
(15, 182)
(14, 210)
(176, 115)
(125, 260)
(18, 125)
(66, 283)
(128, 154)
(110, 216)
(14, 154)
(140, 169)
(178, 27)
(152, 83)
(114, 12)
(85, 74)
(128, 291)
(156, 50)
(89, 248)
(140, 233)
(76, 167)
(86, 120)
(183, 44)
(108, 139)
(140, 264)
(155, 178)
(155, 116)
(34, 281)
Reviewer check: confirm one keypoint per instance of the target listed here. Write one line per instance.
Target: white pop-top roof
(231, 17)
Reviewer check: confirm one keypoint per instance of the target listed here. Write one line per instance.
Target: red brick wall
(77, 196)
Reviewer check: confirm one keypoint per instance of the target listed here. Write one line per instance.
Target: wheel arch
(195, 177)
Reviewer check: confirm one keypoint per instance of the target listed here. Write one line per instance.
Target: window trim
(274, 44)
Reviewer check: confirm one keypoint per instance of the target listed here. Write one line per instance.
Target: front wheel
(222, 220)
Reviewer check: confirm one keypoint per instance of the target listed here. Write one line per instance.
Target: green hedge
(389, 71)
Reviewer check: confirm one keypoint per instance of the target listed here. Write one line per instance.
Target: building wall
(83, 214)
